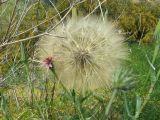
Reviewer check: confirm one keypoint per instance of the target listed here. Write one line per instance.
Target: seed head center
(82, 58)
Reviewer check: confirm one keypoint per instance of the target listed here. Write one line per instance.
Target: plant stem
(110, 102)
(148, 95)
(126, 107)
(156, 51)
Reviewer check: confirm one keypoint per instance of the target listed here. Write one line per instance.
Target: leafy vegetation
(29, 91)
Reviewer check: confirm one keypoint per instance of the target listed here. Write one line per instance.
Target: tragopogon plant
(86, 51)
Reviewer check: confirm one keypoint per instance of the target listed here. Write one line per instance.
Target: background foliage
(136, 20)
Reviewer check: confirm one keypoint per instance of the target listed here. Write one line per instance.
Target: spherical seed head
(87, 52)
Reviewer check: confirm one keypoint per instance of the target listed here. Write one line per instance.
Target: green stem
(156, 51)
(110, 102)
(57, 79)
(148, 95)
(127, 108)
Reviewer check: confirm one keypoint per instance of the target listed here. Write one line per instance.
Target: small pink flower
(48, 62)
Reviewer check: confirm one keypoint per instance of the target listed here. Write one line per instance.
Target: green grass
(30, 93)
(138, 62)
(71, 105)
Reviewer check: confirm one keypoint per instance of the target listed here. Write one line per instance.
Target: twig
(22, 40)
(10, 23)
(101, 10)
(95, 9)
(56, 10)
(46, 20)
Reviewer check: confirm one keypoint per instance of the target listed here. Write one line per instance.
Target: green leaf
(157, 32)
(85, 98)
(138, 103)
(157, 38)
(23, 54)
(74, 13)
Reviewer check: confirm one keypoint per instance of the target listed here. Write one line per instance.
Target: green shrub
(139, 22)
